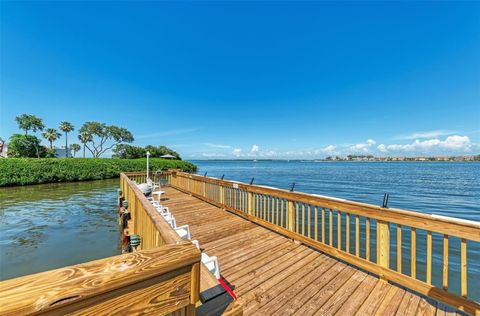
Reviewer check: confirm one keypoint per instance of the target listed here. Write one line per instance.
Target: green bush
(22, 171)
(126, 151)
(25, 146)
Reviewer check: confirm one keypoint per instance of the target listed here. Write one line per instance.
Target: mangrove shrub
(22, 171)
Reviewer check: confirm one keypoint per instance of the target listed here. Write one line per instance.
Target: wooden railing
(149, 281)
(161, 277)
(146, 221)
(404, 247)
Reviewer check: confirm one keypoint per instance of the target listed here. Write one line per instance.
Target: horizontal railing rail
(146, 221)
(421, 252)
(159, 177)
(156, 281)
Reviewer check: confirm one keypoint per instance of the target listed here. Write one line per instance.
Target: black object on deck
(215, 291)
(215, 306)
(215, 300)
(212, 293)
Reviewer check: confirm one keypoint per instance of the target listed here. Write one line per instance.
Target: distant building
(3, 150)
(61, 152)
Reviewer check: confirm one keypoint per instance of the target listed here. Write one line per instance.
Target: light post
(148, 172)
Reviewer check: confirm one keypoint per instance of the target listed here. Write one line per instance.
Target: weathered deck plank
(275, 276)
(276, 294)
(358, 296)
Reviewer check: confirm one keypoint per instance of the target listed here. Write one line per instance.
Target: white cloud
(451, 143)
(362, 147)
(237, 152)
(217, 145)
(457, 142)
(427, 134)
(254, 149)
(329, 149)
(271, 153)
(382, 148)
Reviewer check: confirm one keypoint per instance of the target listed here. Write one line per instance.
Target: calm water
(449, 189)
(53, 225)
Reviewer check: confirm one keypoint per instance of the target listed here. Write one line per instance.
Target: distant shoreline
(323, 160)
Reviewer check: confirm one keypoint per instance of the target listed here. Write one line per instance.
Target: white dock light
(148, 172)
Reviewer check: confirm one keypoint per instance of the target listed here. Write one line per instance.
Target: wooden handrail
(293, 213)
(441, 224)
(136, 198)
(150, 281)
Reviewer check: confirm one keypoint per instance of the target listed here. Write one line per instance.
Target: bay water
(54, 225)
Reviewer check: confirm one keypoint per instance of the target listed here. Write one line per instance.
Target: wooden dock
(275, 276)
(286, 253)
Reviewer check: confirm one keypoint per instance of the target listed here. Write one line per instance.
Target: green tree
(75, 148)
(66, 127)
(126, 151)
(104, 137)
(50, 153)
(51, 135)
(29, 122)
(84, 138)
(159, 151)
(25, 146)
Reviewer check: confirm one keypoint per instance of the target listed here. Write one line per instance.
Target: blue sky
(251, 79)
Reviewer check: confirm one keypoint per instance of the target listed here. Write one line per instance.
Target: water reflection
(52, 225)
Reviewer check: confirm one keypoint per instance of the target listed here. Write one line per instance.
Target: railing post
(138, 223)
(250, 202)
(220, 194)
(383, 244)
(195, 284)
(290, 216)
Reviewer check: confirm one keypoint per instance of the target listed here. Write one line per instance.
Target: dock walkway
(275, 276)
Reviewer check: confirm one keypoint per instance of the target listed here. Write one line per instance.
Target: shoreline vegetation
(26, 171)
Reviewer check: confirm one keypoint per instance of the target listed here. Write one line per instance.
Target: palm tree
(51, 135)
(75, 148)
(84, 138)
(66, 127)
(29, 122)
